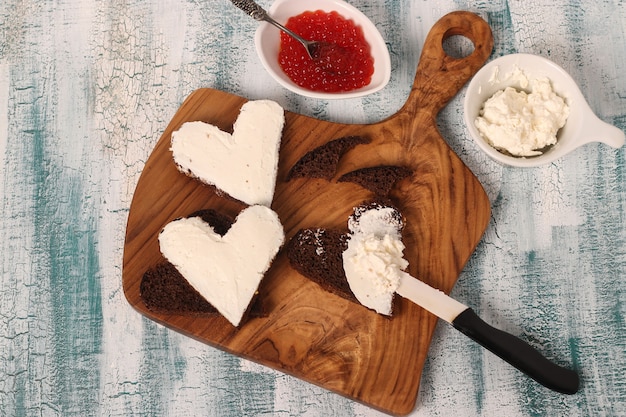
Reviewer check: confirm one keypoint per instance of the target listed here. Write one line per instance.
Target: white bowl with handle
(582, 125)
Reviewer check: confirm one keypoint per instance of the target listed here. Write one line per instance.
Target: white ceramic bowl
(267, 42)
(582, 125)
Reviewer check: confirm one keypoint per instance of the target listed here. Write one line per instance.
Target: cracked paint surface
(87, 87)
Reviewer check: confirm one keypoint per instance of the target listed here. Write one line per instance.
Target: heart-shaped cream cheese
(225, 270)
(243, 165)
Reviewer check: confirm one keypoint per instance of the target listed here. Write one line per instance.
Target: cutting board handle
(439, 76)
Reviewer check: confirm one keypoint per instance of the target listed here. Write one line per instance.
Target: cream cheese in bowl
(538, 113)
(523, 123)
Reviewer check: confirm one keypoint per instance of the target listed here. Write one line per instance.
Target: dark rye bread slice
(317, 253)
(163, 289)
(379, 180)
(322, 161)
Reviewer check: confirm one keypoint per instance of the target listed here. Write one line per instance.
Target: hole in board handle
(457, 46)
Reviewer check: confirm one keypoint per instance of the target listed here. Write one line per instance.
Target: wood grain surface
(309, 333)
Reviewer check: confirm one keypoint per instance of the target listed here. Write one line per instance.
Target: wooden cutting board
(309, 333)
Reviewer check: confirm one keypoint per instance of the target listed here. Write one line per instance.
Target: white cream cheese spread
(373, 261)
(225, 270)
(243, 165)
(522, 123)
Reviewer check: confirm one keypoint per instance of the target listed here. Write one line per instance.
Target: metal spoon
(313, 48)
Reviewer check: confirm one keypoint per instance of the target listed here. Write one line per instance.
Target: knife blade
(512, 349)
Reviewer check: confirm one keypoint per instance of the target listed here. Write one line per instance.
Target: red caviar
(345, 67)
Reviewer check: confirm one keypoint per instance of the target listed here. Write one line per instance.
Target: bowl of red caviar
(356, 65)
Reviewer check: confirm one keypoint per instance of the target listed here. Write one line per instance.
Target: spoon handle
(258, 13)
(251, 8)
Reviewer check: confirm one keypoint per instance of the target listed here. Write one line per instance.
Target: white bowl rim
(281, 10)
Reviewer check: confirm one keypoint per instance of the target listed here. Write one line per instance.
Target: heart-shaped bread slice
(243, 165)
(225, 270)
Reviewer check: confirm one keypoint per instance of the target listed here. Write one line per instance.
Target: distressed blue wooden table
(87, 88)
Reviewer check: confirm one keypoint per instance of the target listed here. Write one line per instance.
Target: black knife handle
(518, 353)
